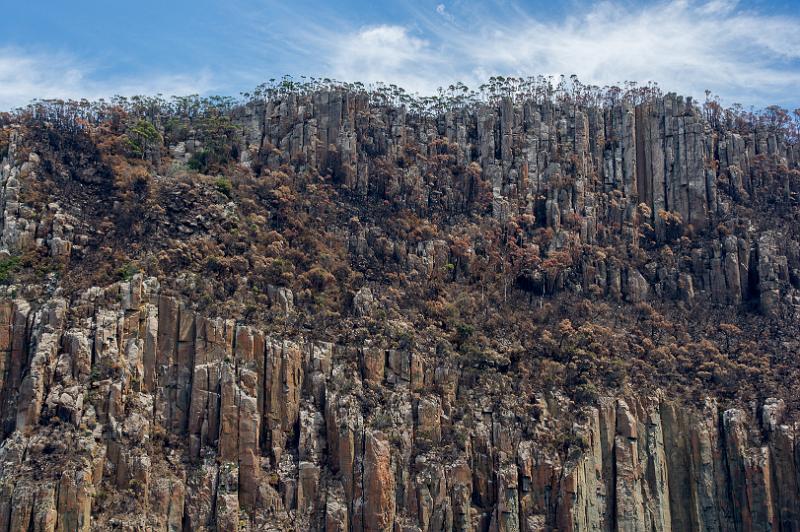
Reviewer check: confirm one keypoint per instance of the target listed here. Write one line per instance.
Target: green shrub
(224, 185)
(199, 161)
(7, 266)
(127, 272)
(143, 137)
(586, 394)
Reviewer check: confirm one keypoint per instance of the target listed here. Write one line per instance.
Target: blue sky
(747, 52)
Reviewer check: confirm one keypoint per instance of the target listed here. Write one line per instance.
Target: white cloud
(686, 46)
(719, 6)
(25, 76)
(441, 9)
(386, 53)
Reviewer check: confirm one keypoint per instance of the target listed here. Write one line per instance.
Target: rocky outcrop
(21, 227)
(129, 410)
(371, 397)
(592, 174)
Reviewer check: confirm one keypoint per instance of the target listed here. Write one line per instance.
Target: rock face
(596, 175)
(128, 410)
(558, 162)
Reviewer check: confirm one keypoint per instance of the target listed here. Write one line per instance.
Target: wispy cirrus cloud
(740, 52)
(686, 46)
(392, 54)
(26, 75)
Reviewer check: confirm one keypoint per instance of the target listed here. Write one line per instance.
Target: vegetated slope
(326, 307)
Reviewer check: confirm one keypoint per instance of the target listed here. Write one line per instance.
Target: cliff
(327, 310)
(130, 411)
(586, 168)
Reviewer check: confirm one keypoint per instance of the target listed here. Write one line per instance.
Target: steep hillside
(324, 307)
